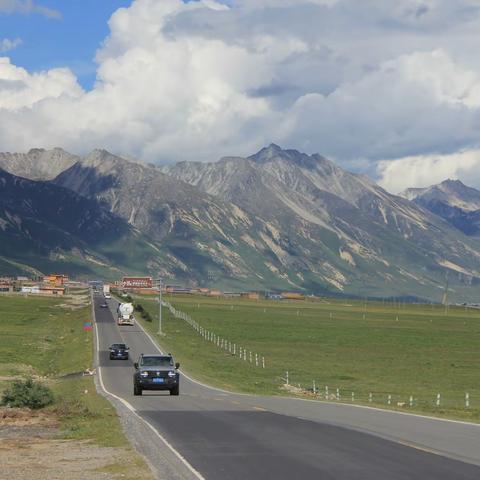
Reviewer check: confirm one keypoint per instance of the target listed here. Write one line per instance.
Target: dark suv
(119, 351)
(156, 372)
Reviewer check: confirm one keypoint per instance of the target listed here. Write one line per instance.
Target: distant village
(54, 284)
(147, 286)
(58, 284)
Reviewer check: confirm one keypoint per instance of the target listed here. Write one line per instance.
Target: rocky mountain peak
(452, 193)
(267, 153)
(453, 183)
(35, 151)
(38, 163)
(452, 200)
(274, 153)
(98, 155)
(458, 187)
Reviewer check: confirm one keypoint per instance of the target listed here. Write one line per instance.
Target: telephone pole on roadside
(160, 284)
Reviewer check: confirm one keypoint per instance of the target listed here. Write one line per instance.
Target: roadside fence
(329, 393)
(240, 352)
(319, 391)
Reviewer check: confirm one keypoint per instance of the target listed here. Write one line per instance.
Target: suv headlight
(144, 374)
(171, 374)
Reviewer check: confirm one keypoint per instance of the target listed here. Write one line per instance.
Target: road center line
(132, 409)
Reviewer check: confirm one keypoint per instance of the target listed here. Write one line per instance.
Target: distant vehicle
(107, 296)
(125, 314)
(156, 372)
(103, 305)
(106, 289)
(119, 351)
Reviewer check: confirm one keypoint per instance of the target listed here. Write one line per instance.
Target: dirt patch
(74, 302)
(25, 417)
(49, 459)
(30, 447)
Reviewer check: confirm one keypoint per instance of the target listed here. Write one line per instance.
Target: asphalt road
(234, 436)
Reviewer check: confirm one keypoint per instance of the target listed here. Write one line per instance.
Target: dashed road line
(130, 407)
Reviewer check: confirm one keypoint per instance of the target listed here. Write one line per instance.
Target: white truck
(106, 291)
(125, 314)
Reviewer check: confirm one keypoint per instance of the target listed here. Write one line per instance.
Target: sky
(389, 88)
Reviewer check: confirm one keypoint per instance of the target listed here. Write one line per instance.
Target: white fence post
(411, 401)
(467, 400)
(263, 362)
(287, 377)
(338, 394)
(438, 400)
(256, 359)
(389, 401)
(314, 388)
(326, 392)
(370, 397)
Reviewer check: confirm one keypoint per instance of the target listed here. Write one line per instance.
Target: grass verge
(382, 349)
(44, 338)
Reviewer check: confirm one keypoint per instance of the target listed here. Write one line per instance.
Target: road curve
(233, 436)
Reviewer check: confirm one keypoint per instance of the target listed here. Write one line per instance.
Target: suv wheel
(137, 390)
(175, 390)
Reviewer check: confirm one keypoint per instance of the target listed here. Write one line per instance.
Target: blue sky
(70, 41)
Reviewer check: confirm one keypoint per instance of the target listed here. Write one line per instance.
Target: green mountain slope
(50, 228)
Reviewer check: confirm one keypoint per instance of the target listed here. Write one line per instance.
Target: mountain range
(453, 201)
(279, 219)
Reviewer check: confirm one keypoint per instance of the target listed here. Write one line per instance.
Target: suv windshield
(120, 346)
(156, 362)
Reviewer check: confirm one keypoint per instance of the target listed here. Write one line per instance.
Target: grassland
(44, 338)
(361, 347)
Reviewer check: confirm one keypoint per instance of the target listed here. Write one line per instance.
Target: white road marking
(132, 409)
(318, 402)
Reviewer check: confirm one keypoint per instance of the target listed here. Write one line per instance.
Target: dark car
(104, 305)
(119, 351)
(156, 372)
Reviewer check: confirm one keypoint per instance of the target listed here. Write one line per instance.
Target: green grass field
(42, 338)
(379, 348)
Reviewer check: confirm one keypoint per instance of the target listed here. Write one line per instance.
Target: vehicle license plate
(158, 380)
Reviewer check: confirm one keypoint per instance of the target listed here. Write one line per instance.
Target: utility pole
(159, 282)
(445, 293)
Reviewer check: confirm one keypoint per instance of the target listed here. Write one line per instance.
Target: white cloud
(7, 44)
(20, 90)
(26, 7)
(425, 170)
(419, 102)
(361, 82)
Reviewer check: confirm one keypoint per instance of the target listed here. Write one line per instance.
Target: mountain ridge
(278, 219)
(451, 200)
(45, 226)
